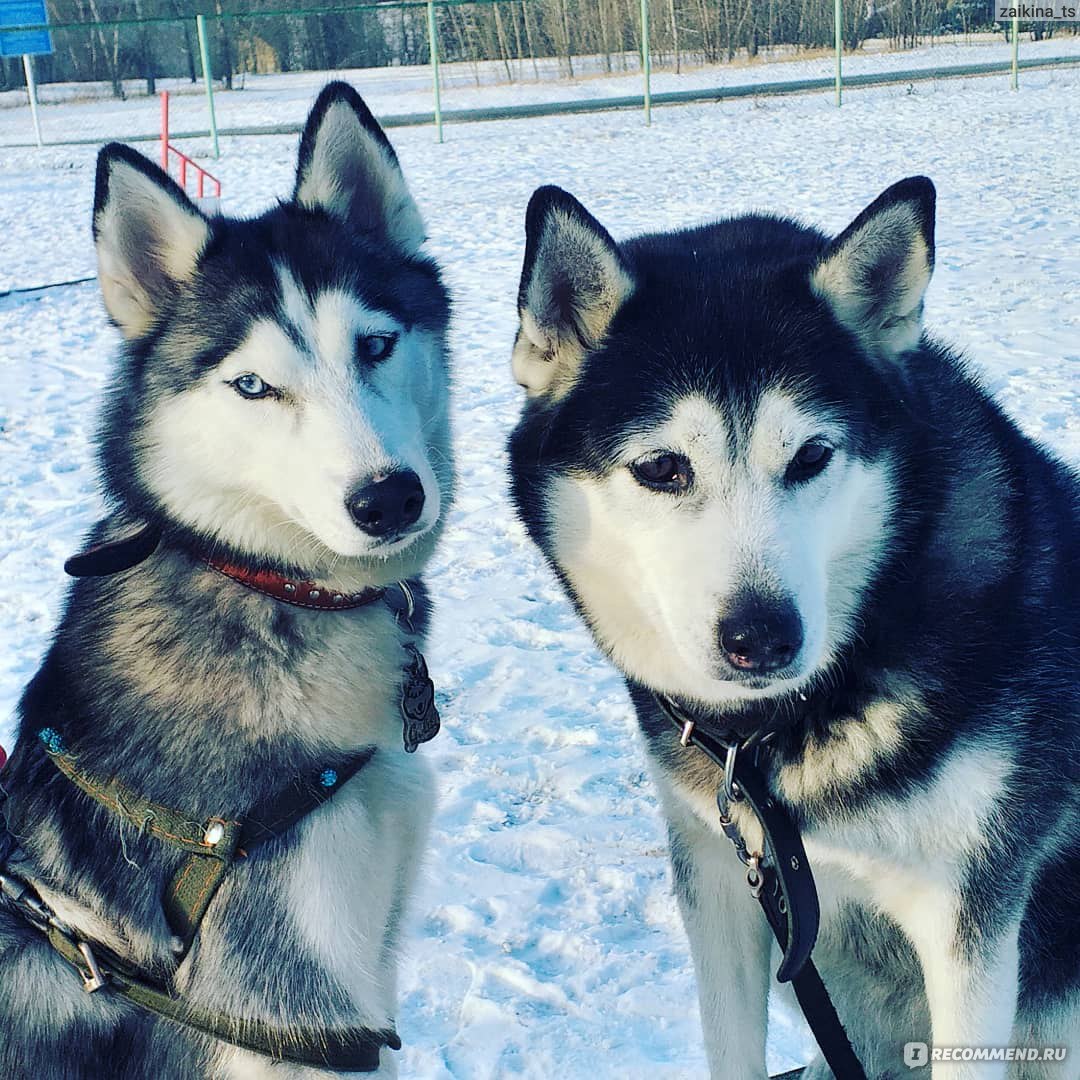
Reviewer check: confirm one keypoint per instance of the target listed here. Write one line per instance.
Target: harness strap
(191, 890)
(166, 824)
(349, 1049)
(782, 884)
(211, 848)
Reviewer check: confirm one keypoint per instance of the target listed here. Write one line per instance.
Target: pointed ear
(875, 273)
(572, 284)
(348, 168)
(149, 237)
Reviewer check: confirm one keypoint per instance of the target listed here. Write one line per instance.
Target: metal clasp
(754, 877)
(731, 789)
(95, 980)
(409, 600)
(22, 896)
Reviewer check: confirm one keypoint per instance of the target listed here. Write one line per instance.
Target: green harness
(211, 848)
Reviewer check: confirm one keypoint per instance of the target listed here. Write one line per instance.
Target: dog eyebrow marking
(781, 424)
(294, 311)
(293, 332)
(692, 422)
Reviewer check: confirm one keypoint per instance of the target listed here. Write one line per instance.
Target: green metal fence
(616, 36)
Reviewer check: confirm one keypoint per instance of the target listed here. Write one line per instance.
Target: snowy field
(544, 940)
(90, 111)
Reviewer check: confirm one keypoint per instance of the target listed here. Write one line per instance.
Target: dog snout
(761, 634)
(387, 505)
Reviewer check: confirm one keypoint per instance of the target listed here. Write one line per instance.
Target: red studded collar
(305, 594)
(125, 552)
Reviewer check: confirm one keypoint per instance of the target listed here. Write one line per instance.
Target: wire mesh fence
(119, 41)
(541, 53)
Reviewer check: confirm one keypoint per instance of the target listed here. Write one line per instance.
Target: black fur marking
(972, 618)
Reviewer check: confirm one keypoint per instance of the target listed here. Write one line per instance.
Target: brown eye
(371, 348)
(663, 472)
(808, 462)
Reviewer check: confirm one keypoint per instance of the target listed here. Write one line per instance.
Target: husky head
(282, 396)
(708, 453)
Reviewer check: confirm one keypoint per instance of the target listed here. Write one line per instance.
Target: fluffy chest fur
(229, 694)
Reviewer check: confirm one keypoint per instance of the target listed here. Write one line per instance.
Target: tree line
(260, 36)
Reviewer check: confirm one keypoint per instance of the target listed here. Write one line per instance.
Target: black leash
(779, 878)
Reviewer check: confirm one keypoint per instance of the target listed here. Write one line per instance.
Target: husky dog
(279, 424)
(781, 505)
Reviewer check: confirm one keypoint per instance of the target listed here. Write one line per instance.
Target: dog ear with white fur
(874, 274)
(149, 237)
(573, 282)
(348, 168)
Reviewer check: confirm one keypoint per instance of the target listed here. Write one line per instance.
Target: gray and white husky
(279, 418)
(778, 502)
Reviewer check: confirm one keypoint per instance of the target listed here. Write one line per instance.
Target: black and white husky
(776, 501)
(278, 423)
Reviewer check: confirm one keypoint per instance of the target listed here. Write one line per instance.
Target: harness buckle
(93, 978)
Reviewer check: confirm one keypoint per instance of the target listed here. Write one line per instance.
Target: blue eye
(372, 348)
(250, 386)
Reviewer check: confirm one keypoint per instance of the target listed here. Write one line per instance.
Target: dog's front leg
(729, 941)
(970, 973)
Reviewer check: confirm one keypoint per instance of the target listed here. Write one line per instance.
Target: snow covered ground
(89, 111)
(544, 940)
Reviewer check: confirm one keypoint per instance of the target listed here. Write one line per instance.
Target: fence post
(204, 57)
(165, 130)
(1016, 54)
(433, 49)
(31, 89)
(646, 60)
(838, 19)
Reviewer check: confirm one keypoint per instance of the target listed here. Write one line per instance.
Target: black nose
(387, 505)
(761, 634)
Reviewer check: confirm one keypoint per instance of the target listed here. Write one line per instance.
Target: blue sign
(23, 42)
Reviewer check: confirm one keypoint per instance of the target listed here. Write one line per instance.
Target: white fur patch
(929, 834)
(272, 475)
(343, 884)
(656, 572)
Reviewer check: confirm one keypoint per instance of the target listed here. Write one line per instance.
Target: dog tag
(421, 718)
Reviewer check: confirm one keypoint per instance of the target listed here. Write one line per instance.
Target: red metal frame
(167, 148)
